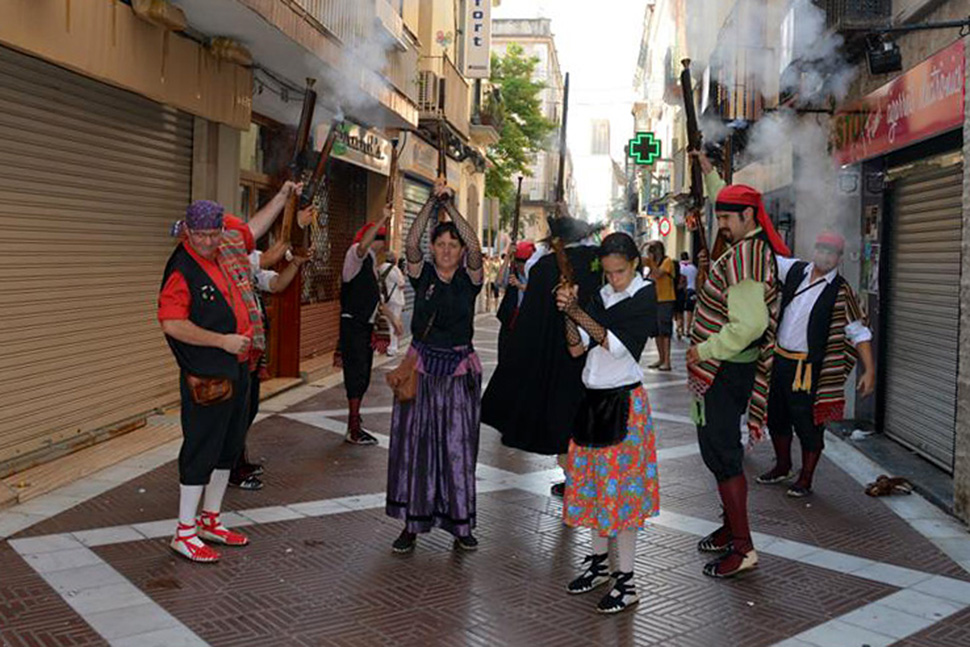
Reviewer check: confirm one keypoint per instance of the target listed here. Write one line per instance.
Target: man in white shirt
(393, 295)
(689, 272)
(822, 330)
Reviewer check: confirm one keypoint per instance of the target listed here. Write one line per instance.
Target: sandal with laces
(194, 551)
(774, 476)
(716, 542)
(210, 527)
(621, 597)
(596, 574)
(731, 563)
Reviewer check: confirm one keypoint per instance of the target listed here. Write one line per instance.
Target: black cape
(507, 314)
(535, 391)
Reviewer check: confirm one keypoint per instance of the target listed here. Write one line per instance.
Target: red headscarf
(745, 196)
(524, 250)
(381, 233)
(831, 239)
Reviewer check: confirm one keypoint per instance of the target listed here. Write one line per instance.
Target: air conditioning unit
(857, 15)
(428, 91)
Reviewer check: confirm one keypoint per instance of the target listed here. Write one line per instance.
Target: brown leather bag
(403, 380)
(207, 391)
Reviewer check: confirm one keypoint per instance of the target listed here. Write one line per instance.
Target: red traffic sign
(665, 226)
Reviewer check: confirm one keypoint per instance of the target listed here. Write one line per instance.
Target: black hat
(571, 230)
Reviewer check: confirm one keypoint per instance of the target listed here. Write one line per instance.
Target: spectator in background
(661, 272)
(394, 282)
(689, 273)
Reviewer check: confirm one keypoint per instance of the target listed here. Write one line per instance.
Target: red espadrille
(210, 527)
(194, 551)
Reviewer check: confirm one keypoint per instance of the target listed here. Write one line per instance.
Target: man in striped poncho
(821, 332)
(730, 362)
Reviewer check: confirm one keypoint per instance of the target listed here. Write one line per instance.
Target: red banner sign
(925, 101)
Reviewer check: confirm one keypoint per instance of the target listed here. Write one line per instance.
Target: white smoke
(350, 85)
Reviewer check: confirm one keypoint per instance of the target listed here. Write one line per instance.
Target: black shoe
(596, 574)
(621, 597)
(798, 491)
(774, 476)
(405, 542)
(468, 542)
(558, 489)
(361, 437)
(716, 542)
(256, 469)
(251, 482)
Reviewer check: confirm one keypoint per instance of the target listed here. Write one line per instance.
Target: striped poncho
(751, 259)
(839, 360)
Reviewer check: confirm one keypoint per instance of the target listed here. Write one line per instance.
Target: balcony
(443, 93)
(487, 117)
(855, 15)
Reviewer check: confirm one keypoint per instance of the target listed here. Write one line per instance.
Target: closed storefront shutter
(91, 178)
(923, 322)
(344, 214)
(416, 193)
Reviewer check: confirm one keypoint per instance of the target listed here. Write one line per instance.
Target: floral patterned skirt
(615, 488)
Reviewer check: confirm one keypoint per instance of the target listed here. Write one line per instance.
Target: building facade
(203, 98)
(878, 154)
(537, 40)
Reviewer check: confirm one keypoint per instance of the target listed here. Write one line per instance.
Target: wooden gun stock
(695, 141)
(298, 161)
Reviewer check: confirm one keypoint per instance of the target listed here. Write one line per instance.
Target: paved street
(839, 569)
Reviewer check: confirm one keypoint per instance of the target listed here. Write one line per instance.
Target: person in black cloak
(513, 280)
(533, 396)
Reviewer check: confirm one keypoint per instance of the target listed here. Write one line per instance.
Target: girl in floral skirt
(611, 475)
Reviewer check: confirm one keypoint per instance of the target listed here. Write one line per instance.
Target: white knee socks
(600, 543)
(215, 490)
(624, 545)
(189, 497)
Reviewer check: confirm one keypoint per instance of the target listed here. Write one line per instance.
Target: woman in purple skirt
(434, 438)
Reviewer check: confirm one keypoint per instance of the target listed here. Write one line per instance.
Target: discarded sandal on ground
(884, 486)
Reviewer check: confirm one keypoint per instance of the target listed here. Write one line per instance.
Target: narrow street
(836, 569)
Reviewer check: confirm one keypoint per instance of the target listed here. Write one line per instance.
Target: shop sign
(478, 39)
(420, 158)
(925, 101)
(359, 146)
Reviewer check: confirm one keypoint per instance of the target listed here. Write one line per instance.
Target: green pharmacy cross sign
(644, 149)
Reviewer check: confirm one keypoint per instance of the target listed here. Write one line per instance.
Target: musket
(695, 141)
(312, 188)
(566, 274)
(442, 163)
(518, 213)
(298, 162)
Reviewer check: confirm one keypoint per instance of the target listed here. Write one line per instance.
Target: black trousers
(724, 404)
(788, 410)
(213, 436)
(357, 354)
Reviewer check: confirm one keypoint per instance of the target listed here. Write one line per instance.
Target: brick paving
(332, 580)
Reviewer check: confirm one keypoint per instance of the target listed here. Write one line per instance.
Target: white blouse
(609, 369)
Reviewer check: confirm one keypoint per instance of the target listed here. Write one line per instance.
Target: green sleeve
(747, 321)
(713, 185)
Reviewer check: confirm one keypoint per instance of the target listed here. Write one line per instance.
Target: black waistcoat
(821, 318)
(359, 296)
(208, 310)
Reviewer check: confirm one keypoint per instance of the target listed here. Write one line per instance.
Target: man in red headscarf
(821, 332)
(360, 300)
(729, 363)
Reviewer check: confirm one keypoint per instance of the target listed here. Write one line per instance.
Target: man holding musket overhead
(730, 362)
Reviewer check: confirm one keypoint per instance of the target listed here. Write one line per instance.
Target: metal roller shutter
(91, 178)
(923, 323)
(415, 195)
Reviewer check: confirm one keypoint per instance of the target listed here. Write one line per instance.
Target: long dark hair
(623, 244)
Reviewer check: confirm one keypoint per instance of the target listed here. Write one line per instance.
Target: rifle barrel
(561, 181)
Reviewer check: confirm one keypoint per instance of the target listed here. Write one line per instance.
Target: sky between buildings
(598, 43)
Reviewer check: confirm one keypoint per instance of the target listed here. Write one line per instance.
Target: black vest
(359, 296)
(821, 318)
(208, 310)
